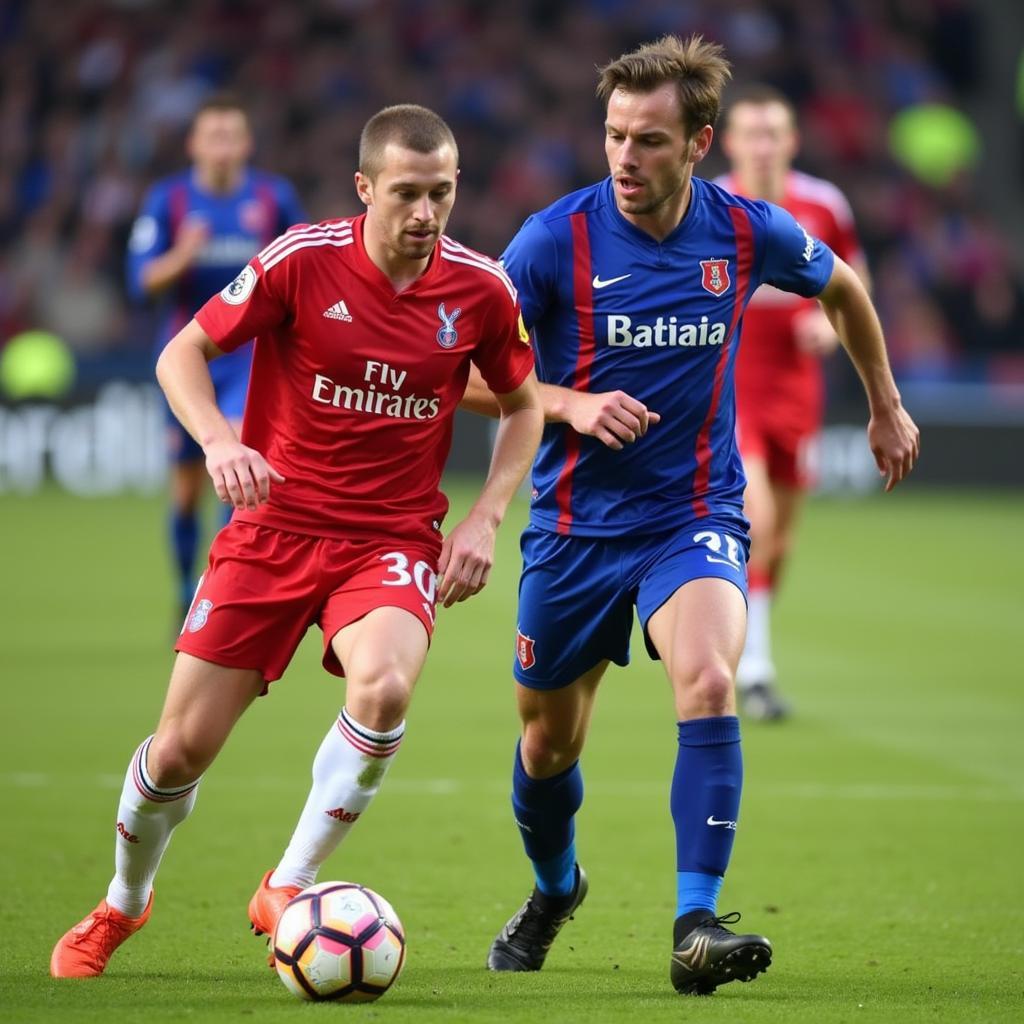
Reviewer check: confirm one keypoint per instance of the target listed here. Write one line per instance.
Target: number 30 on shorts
(422, 576)
(731, 554)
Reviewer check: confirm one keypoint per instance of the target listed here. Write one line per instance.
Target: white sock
(146, 817)
(347, 772)
(756, 664)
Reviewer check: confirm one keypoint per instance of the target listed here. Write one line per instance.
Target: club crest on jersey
(524, 650)
(447, 336)
(714, 276)
(199, 615)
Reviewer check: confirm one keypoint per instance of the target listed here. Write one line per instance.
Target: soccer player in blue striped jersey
(634, 290)
(194, 232)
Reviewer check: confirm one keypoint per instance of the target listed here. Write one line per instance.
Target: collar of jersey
(373, 275)
(638, 234)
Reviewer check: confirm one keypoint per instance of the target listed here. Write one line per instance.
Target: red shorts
(789, 453)
(264, 588)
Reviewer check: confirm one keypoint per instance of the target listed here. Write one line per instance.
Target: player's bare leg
(547, 792)
(755, 675)
(382, 654)
(698, 633)
(203, 703)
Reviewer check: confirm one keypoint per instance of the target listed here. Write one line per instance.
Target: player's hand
(191, 237)
(813, 334)
(467, 555)
(241, 476)
(613, 417)
(895, 443)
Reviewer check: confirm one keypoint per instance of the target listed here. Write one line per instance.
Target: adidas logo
(339, 311)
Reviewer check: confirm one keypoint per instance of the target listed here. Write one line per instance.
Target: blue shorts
(576, 594)
(230, 375)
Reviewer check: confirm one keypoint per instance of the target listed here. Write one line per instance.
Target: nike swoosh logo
(599, 284)
(728, 824)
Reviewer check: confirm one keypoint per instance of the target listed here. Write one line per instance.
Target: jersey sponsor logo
(524, 650)
(730, 825)
(339, 311)
(714, 276)
(200, 615)
(447, 336)
(665, 332)
(377, 394)
(125, 834)
(241, 288)
(599, 284)
(227, 251)
(340, 814)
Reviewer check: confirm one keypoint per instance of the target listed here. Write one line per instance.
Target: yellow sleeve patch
(524, 334)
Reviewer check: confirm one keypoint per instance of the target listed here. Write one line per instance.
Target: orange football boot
(84, 951)
(267, 905)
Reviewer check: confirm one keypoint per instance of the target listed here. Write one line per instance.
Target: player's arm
(812, 330)
(162, 271)
(468, 551)
(894, 438)
(241, 476)
(613, 417)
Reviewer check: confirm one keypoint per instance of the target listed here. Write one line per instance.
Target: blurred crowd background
(899, 104)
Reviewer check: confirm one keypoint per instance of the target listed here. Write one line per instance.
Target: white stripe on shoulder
(309, 231)
(818, 190)
(338, 243)
(455, 251)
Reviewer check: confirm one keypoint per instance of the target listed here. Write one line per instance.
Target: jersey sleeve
(844, 240)
(251, 305)
(793, 260)
(504, 356)
(531, 260)
(289, 206)
(150, 237)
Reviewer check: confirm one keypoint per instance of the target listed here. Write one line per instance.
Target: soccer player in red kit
(365, 330)
(779, 380)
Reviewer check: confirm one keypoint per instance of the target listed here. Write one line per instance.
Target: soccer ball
(340, 941)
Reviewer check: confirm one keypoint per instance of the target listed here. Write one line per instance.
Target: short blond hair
(698, 69)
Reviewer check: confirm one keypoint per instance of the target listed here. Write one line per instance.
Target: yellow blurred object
(36, 364)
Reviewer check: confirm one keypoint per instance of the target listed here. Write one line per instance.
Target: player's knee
(547, 751)
(176, 759)
(708, 693)
(382, 697)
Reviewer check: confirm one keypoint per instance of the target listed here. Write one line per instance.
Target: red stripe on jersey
(583, 298)
(271, 214)
(744, 259)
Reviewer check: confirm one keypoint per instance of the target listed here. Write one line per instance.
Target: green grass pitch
(881, 832)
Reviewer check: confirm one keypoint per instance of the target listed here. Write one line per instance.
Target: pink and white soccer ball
(339, 941)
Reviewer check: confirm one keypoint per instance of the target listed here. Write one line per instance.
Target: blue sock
(184, 542)
(706, 790)
(544, 810)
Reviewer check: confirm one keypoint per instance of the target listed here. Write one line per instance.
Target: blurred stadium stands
(95, 97)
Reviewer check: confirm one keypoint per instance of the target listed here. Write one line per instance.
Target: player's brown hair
(697, 67)
(407, 124)
(758, 94)
(220, 101)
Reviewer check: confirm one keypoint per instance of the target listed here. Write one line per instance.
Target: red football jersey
(773, 376)
(354, 386)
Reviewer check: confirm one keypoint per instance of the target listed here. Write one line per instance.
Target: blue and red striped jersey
(610, 309)
(240, 223)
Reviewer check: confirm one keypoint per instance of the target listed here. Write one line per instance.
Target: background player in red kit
(365, 331)
(779, 381)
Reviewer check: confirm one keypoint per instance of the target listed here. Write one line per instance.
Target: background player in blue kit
(634, 289)
(194, 232)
